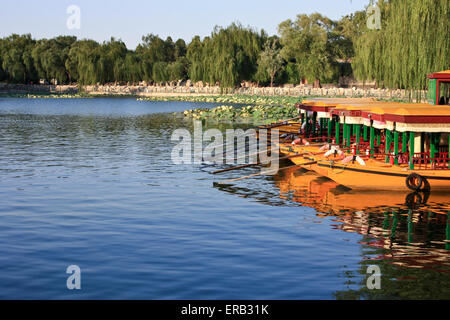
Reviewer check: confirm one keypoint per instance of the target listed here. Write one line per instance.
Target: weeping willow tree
(228, 56)
(49, 58)
(16, 58)
(412, 42)
(82, 62)
(194, 56)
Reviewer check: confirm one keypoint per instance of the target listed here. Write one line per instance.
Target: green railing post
(396, 146)
(372, 141)
(314, 124)
(349, 136)
(307, 130)
(405, 142)
(365, 133)
(411, 150)
(387, 147)
(344, 133)
(322, 126)
(330, 129)
(433, 147)
(338, 131)
(358, 137)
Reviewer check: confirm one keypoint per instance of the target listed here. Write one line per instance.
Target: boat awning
(410, 117)
(325, 106)
(415, 117)
(440, 75)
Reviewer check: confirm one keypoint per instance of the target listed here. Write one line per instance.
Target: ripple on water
(91, 183)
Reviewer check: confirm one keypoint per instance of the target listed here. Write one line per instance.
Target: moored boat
(372, 145)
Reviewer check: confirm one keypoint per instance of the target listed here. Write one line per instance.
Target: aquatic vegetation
(242, 113)
(233, 99)
(238, 107)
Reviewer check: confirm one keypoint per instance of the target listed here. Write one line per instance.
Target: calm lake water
(89, 182)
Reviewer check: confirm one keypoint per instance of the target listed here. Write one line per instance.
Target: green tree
(194, 55)
(180, 49)
(345, 33)
(413, 41)
(151, 50)
(17, 62)
(50, 56)
(2, 72)
(177, 70)
(228, 56)
(306, 43)
(82, 62)
(270, 61)
(160, 71)
(132, 68)
(154, 50)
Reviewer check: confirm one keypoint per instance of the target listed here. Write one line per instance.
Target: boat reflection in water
(406, 234)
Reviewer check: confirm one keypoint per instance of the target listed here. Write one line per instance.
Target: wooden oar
(258, 153)
(269, 127)
(255, 164)
(268, 146)
(270, 149)
(279, 123)
(265, 172)
(283, 132)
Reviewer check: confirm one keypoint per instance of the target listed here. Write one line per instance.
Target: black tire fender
(414, 182)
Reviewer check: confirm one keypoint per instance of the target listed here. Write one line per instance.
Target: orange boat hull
(373, 176)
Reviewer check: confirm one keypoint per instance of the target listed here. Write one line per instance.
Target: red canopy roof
(440, 75)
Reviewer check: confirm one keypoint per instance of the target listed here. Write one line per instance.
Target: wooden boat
(373, 145)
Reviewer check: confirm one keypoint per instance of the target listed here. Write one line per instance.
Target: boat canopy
(403, 117)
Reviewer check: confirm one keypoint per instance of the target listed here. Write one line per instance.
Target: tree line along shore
(411, 42)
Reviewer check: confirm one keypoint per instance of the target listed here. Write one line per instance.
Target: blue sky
(129, 20)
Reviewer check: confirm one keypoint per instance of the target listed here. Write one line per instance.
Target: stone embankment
(301, 90)
(187, 89)
(37, 88)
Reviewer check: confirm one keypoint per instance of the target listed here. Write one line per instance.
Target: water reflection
(95, 186)
(406, 234)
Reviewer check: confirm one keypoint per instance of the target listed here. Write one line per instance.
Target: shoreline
(183, 92)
